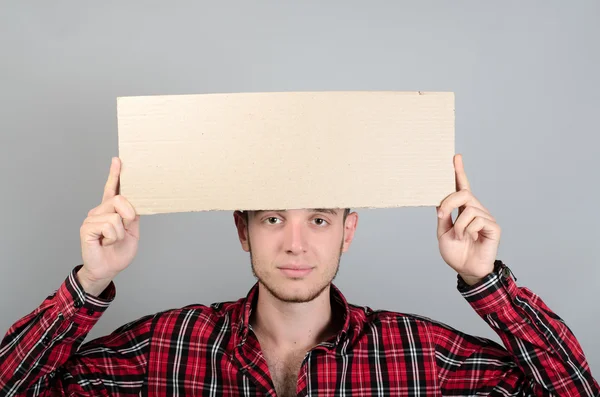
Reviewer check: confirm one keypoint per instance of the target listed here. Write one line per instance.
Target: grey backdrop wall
(527, 90)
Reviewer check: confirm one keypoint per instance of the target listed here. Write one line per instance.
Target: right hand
(109, 235)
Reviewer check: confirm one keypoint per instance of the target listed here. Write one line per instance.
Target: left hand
(470, 244)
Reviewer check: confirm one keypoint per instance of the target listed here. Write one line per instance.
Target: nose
(295, 239)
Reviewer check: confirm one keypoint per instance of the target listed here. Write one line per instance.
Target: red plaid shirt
(202, 350)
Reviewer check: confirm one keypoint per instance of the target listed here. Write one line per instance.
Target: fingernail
(440, 214)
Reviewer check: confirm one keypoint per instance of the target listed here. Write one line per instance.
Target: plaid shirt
(211, 350)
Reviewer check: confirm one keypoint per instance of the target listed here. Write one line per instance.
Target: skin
(294, 311)
(469, 244)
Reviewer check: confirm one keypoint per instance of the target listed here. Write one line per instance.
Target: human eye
(321, 222)
(270, 220)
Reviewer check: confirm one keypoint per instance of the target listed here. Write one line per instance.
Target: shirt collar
(339, 306)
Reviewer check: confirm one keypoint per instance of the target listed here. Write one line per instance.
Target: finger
(118, 204)
(459, 199)
(467, 217)
(444, 223)
(128, 226)
(109, 234)
(111, 188)
(462, 183)
(133, 227)
(104, 232)
(483, 226)
(114, 219)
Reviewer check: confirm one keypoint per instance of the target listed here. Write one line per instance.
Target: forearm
(39, 343)
(540, 342)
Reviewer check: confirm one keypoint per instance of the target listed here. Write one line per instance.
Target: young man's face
(295, 254)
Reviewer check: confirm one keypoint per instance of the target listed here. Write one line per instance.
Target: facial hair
(314, 294)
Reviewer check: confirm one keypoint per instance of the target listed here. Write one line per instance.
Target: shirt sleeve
(540, 357)
(41, 354)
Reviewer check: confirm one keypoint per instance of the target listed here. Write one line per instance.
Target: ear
(349, 229)
(242, 229)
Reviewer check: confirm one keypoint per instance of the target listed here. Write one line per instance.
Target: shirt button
(91, 312)
(46, 340)
(78, 304)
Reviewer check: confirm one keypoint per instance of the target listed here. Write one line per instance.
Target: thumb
(133, 226)
(444, 223)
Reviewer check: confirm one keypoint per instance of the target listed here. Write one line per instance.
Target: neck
(292, 325)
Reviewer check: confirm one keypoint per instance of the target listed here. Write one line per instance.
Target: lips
(295, 271)
(295, 267)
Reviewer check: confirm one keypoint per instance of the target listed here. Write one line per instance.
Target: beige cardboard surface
(284, 150)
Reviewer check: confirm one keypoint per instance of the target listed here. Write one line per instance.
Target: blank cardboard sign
(286, 150)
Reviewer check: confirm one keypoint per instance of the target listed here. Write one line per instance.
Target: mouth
(295, 271)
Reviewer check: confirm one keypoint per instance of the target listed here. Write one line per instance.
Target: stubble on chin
(279, 292)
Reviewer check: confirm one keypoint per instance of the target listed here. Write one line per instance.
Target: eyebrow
(323, 210)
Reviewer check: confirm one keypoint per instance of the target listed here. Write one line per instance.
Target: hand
(470, 244)
(110, 234)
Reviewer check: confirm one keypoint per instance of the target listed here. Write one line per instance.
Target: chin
(295, 290)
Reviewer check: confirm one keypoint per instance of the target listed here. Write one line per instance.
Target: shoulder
(365, 314)
(406, 318)
(199, 317)
(400, 324)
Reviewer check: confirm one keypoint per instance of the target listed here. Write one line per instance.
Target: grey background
(527, 90)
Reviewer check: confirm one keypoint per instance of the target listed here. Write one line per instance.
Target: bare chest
(284, 369)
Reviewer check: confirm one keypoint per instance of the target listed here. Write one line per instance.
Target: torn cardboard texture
(285, 150)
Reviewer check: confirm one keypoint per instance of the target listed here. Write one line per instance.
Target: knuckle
(107, 227)
(111, 200)
(120, 200)
(120, 204)
(118, 225)
(466, 214)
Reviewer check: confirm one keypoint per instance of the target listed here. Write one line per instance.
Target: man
(294, 334)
